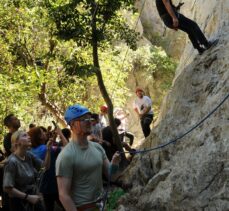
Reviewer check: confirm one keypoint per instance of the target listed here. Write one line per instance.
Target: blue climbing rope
(105, 197)
(173, 141)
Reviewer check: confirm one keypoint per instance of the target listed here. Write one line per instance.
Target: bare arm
(145, 111)
(13, 192)
(64, 186)
(47, 160)
(113, 164)
(171, 12)
(62, 137)
(106, 164)
(136, 110)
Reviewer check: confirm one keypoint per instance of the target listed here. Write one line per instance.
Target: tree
(93, 24)
(34, 65)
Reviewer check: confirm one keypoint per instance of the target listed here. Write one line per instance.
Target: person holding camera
(175, 20)
(48, 183)
(143, 108)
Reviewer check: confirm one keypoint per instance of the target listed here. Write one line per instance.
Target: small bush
(113, 198)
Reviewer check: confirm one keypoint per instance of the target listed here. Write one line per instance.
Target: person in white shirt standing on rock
(143, 107)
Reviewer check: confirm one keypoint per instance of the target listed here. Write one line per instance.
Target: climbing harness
(179, 6)
(177, 9)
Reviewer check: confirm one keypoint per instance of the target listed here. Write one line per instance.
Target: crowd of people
(48, 167)
(28, 171)
(42, 167)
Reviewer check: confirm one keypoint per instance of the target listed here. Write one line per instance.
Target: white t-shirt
(141, 103)
(122, 116)
(103, 119)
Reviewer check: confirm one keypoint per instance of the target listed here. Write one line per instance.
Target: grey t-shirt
(21, 174)
(84, 168)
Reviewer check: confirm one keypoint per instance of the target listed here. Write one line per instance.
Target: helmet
(103, 108)
(74, 112)
(139, 90)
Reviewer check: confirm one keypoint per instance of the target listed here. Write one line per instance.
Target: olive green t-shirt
(84, 168)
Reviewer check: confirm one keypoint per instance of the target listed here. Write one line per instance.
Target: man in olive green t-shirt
(80, 165)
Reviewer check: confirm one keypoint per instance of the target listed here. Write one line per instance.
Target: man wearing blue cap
(80, 165)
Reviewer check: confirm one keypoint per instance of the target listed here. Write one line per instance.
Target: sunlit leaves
(73, 20)
(31, 55)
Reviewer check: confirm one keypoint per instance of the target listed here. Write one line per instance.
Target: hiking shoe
(133, 152)
(201, 50)
(211, 43)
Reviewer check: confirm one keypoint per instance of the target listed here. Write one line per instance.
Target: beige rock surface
(192, 174)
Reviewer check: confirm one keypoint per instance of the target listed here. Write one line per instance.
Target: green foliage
(157, 70)
(31, 55)
(89, 23)
(73, 20)
(113, 198)
(153, 60)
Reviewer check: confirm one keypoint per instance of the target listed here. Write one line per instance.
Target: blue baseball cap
(74, 112)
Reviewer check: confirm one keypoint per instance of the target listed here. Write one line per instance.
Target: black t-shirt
(161, 7)
(108, 136)
(7, 143)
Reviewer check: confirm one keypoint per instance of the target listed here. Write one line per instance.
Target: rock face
(155, 31)
(193, 173)
(209, 15)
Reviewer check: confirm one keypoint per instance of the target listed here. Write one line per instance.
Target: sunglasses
(86, 120)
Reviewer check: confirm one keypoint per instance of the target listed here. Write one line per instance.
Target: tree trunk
(101, 84)
(51, 107)
(42, 96)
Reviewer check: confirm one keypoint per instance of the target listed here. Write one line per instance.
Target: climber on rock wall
(174, 20)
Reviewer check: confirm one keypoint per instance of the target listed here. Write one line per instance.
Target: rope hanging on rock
(173, 141)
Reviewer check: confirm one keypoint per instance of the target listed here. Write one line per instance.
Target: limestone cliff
(192, 174)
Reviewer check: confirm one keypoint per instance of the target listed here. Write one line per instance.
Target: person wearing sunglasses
(80, 164)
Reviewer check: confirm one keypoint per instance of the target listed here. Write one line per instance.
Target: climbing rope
(122, 66)
(173, 141)
(105, 197)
